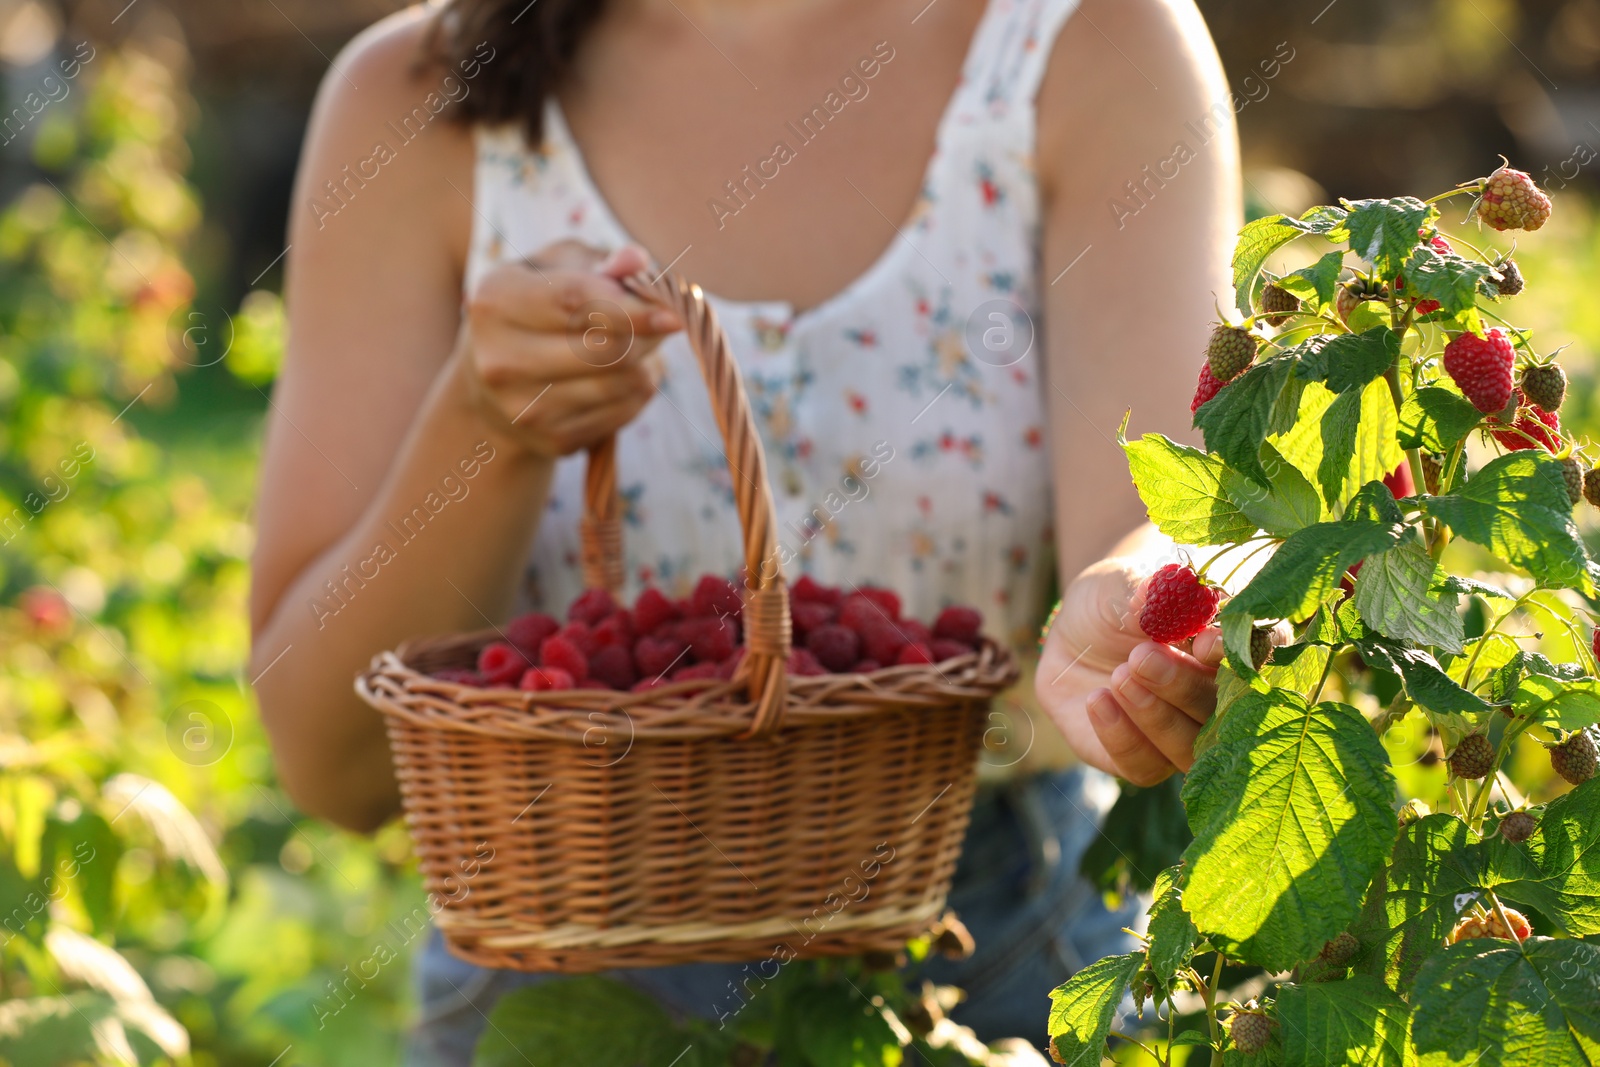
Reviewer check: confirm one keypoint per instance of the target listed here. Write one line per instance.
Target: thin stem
(1480, 803)
(1201, 573)
(1251, 555)
(1473, 189)
(1148, 1051)
(1472, 663)
(1209, 991)
(1327, 669)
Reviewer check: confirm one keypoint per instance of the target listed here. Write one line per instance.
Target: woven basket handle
(766, 597)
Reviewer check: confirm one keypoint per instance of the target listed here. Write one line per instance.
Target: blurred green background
(161, 899)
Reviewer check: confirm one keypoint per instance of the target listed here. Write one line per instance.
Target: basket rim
(405, 694)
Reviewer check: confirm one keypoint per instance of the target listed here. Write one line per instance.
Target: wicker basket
(698, 821)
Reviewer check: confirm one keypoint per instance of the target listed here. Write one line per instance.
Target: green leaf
(1238, 419)
(24, 902)
(1257, 241)
(1236, 642)
(84, 852)
(1339, 425)
(836, 1027)
(1486, 1003)
(1307, 568)
(1081, 1010)
(1383, 232)
(52, 1030)
(1434, 419)
(1517, 507)
(1291, 814)
(1564, 883)
(1349, 361)
(1182, 490)
(1558, 703)
(1319, 282)
(1375, 452)
(1352, 1023)
(1395, 596)
(1144, 833)
(1427, 683)
(1171, 931)
(1290, 504)
(588, 1021)
(1374, 502)
(1451, 280)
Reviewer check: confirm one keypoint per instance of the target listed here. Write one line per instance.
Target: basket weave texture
(699, 821)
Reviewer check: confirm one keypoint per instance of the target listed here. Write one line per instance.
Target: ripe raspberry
(710, 639)
(655, 656)
(730, 666)
(943, 648)
(1432, 470)
(1511, 201)
(646, 684)
(1572, 470)
(1177, 604)
(502, 664)
(915, 632)
(1473, 757)
(544, 679)
(807, 615)
(1482, 922)
(696, 672)
(1545, 385)
(528, 632)
(1205, 389)
(593, 605)
(1594, 643)
(580, 635)
(614, 630)
(808, 588)
(1260, 647)
(836, 647)
(1518, 826)
(1400, 482)
(859, 612)
(613, 666)
(913, 655)
(1574, 759)
(1507, 277)
(651, 610)
(459, 676)
(563, 652)
(1341, 950)
(715, 596)
(803, 664)
(1277, 304)
(882, 640)
(1231, 350)
(1591, 490)
(887, 600)
(865, 666)
(1533, 427)
(1481, 367)
(958, 624)
(1251, 1031)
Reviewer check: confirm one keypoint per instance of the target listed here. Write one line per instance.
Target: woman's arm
(409, 447)
(1139, 167)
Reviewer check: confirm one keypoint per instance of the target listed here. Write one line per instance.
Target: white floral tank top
(904, 418)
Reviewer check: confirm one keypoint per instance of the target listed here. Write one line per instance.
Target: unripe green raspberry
(1473, 757)
(1231, 350)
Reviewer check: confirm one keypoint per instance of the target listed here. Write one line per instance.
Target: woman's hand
(555, 353)
(1126, 704)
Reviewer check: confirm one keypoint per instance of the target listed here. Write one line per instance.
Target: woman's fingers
(1134, 755)
(1169, 728)
(1176, 677)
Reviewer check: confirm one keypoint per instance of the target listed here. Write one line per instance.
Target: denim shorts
(1036, 921)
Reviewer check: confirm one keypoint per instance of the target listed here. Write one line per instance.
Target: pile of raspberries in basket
(659, 640)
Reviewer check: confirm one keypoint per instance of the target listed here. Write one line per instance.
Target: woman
(477, 178)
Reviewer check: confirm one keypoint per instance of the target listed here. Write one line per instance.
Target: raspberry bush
(1411, 503)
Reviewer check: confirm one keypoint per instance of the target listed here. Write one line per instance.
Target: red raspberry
(943, 648)
(614, 630)
(653, 682)
(563, 652)
(728, 667)
(1177, 604)
(914, 654)
(528, 632)
(836, 647)
(696, 672)
(459, 676)
(958, 624)
(915, 632)
(866, 666)
(1400, 482)
(804, 664)
(807, 615)
(612, 666)
(882, 640)
(1205, 389)
(1481, 367)
(651, 610)
(858, 613)
(1594, 644)
(711, 639)
(887, 600)
(580, 635)
(593, 605)
(808, 588)
(544, 679)
(1511, 201)
(715, 596)
(1533, 427)
(502, 664)
(657, 655)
